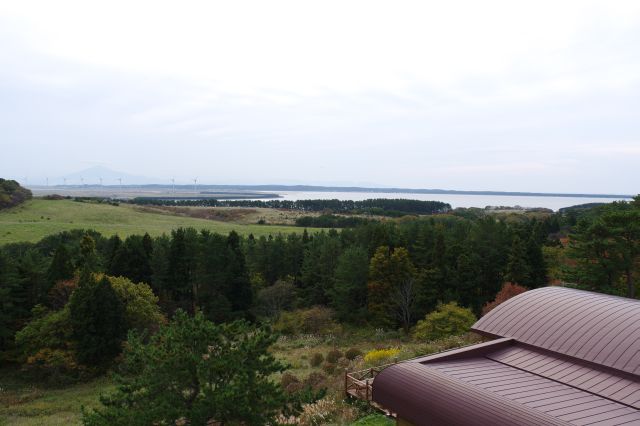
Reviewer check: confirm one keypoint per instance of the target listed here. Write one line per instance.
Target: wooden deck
(359, 385)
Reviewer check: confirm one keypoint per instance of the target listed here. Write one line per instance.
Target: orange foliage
(508, 291)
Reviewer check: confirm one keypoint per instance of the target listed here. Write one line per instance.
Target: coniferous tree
(97, 319)
(61, 267)
(518, 270)
(349, 294)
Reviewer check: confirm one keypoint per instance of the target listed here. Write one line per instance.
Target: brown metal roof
(593, 327)
(428, 396)
(563, 356)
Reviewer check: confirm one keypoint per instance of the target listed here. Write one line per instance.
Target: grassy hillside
(37, 218)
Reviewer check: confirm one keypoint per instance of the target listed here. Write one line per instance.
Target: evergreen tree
(349, 294)
(195, 372)
(88, 257)
(112, 248)
(537, 266)
(12, 302)
(97, 320)
(61, 267)
(518, 270)
(239, 293)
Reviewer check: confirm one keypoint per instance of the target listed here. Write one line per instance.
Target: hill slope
(12, 194)
(37, 218)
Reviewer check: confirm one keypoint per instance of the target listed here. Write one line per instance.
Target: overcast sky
(478, 95)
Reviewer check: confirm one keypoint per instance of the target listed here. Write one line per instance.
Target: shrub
(334, 355)
(288, 379)
(327, 411)
(446, 320)
(316, 320)
(316, 359)
(507, 291)
(56, 366)
(343, 362)
(316, 381)
(377, 356)
(45, 347)
(352, 353)
(329, 368)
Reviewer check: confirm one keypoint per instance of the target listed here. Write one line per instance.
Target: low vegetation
(170, 319)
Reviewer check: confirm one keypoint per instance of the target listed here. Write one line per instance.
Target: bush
(316, 320)
(56, 366)
(316, 359)
(377, 356)
(343, 362)
(288, 379)
(352, 353)
(316, 381)
(446, 320)
(45, 347)
(334, 355)
(327, 411)
(329, 368)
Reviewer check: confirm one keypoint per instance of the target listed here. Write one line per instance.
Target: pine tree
(61, 267)
(349, 294)
(97, 319)
(518, 270)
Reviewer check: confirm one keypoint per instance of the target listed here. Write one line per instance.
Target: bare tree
(403, 301)
(273, 299)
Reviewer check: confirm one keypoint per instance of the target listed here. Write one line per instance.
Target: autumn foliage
(508, 291)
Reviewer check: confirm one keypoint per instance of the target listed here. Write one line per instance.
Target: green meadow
(37, 218)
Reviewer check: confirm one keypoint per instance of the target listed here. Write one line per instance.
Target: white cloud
(410, 93)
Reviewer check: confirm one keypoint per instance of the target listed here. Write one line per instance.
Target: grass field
(27, 405)
(37, 218)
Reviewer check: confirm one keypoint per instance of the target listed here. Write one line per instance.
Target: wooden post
(346, 383)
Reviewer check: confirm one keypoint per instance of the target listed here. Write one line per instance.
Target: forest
(374, 206)
(69, 300)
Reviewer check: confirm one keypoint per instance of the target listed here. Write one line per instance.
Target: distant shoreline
(203, 189)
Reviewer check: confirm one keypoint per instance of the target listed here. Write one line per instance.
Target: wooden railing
(359, 384)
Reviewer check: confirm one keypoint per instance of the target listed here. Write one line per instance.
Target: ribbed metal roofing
(593, 327)
(562, 356)
(427, 396)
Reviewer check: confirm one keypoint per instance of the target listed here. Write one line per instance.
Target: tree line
(377, 206)
(360, 273)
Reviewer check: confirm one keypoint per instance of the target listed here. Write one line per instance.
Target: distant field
(37, 218)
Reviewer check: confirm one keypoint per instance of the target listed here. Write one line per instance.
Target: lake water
(456, 200)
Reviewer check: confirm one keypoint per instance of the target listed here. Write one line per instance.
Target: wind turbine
(47, 179)
(195, 185)
(81, 181)
(120, 180)
(173, 185)
(100, 181)
(65, 181)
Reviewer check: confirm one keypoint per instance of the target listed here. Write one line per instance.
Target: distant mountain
(92, 175)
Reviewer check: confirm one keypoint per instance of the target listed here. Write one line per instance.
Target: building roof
(561, 356)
